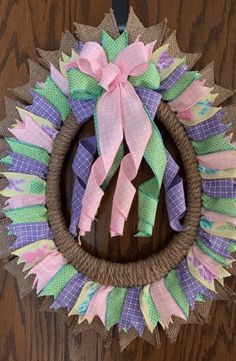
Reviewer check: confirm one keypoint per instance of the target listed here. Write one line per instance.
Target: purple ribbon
(78, 46)
(52, 132)
(81, 166)
(217, 244)
(164, 61)
(131, 315)
(209, 128)
(190, 286)
(27, 233)
(82, 109)
(43, 108)
(70, 293)
(24, 164)
(174, 194)
(220, 188)
(172, 79)
(150, 99)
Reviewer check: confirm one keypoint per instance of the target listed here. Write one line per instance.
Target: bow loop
(134, 59)
(92, 60)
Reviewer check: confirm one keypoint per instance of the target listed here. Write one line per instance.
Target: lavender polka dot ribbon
(174, 194)
(131, 315)
(44, 109)
(70, 293)
(190, 286)
(209, 128)
(27, 233)
(217, 244)
(220, 188)
(81, 166)
(24, 164)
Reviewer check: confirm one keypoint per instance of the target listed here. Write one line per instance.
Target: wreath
(128, 83)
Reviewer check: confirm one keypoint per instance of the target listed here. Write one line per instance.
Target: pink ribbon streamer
(30, 132)
(165, 303)
(119, 111)
(24, 201)
(209, 263)
(36, 255)
(190, 96)
(60, 80)
(217, 217)
(97, 305)
(46, 269)
(219, 160)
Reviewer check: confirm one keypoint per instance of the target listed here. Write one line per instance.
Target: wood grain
(25, 333)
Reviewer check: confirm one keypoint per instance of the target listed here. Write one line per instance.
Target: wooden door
(207, 26)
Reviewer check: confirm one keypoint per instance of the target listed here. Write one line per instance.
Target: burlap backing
(39, 73)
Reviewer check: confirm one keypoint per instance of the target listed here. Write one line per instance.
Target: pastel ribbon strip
(174, 194)
(115, 116)
(81, 167)
(131, 315)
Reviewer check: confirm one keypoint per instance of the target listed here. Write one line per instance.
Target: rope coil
(141, 272)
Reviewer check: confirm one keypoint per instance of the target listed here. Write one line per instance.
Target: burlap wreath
(141, 274)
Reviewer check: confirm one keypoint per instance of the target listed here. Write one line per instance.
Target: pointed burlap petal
(25, 285)
(135, 28)
(191, 58)
(10, 106)
(223, 93)
(125, 338)
(96, 325)
(153, 338)
(48, 57)
(37, 74)
(202, 311)
(173, 330)
(90, 33)
(11, 116)
(6, 240)
(155, 32)
(45, 304)
(224, 293)
(68, 42)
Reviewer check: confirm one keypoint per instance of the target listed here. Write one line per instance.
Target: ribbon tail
(137, 129)
(149, 191)
(83, 158)
(175, 200)
(110, 138)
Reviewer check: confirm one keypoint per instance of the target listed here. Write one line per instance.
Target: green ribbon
(221, 260)
(180, 85)
(220, 205)
(59, 281)
(149, 191)
(27, 214)
(115, 301)
(54, 95)
(172, 284)
(214, 144)
(29, 150)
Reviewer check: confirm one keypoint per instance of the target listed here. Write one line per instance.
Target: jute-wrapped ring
(141, 272)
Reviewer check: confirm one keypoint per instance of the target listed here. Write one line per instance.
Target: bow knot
(111, 77)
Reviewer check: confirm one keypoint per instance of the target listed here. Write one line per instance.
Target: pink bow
(119, 111)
